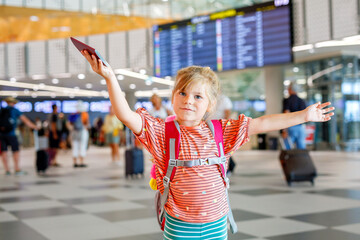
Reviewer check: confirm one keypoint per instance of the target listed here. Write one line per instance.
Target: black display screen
(241, 38)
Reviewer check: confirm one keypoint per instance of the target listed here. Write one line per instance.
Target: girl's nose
(188, 99)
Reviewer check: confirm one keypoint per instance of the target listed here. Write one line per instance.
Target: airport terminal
(68, 168)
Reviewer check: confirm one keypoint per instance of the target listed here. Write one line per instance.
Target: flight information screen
(254, 36)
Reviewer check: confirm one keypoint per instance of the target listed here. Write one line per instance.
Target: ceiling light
(120, 77)
(149, 81)
(26, 91)
(33, 95)
(38, 77)
(53, 95)
(12, 79)
(161, 93)
(34, 18)
(80, 92)
(55, 81)
(287, 82)
(352, 38)
(35, 88)
(142, 71)
(103, 82)
(144, 77)
(132, 86)
(302, 47)
(105, 93)
(301, 81)
(88, 85)
(81, 76)
(295, 69)
(61, 75)
(41, 85)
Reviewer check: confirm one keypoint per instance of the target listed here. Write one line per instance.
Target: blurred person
(8, 123)
(38, 123)
(158, 110)
(112, 127)
(100, 132)
(79, 134)
(64, 132)
(55, 127)
(293, 104)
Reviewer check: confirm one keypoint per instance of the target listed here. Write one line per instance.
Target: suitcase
(297, 164)
(41, 143)
(42, 161)
(134, 156)
(134, 162)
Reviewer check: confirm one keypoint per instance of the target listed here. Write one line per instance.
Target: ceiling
(17, 24)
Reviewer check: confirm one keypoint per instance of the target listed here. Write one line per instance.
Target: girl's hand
(318, 113)
(97, 65)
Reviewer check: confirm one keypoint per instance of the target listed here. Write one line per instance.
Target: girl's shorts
(176, 229)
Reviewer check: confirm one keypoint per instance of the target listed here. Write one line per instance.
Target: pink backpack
(172, 137)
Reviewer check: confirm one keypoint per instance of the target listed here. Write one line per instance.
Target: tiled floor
(98, 202)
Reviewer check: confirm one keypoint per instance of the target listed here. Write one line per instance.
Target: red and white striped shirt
(197, 194)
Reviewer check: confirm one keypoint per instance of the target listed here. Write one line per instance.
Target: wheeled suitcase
(297, 164)
(42, 161)
(134, 156)
(134, 162)
(41, 145)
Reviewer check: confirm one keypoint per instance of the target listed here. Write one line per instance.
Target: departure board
(253, 36)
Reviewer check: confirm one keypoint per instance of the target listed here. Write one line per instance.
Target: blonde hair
(186, 77)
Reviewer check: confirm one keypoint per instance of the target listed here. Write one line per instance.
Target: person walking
(293, 104)
(8, 122)
(158, 109)
(55, 127)
(79, 134)
(112, 127)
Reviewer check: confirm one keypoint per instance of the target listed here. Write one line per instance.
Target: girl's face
(191, 104)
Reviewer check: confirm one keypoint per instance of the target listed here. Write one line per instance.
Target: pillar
(274, 88)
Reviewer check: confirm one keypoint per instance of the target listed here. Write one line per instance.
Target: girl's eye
(198, 97)
(182, 93)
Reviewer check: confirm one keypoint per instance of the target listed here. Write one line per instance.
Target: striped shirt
(197, 194)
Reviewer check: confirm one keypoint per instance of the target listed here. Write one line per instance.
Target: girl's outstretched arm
(121, 107)
(314, 113)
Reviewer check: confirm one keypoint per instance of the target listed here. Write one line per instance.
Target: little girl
(197, 205)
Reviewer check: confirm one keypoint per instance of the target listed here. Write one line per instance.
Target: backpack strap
(216, 130)
(172, 139)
